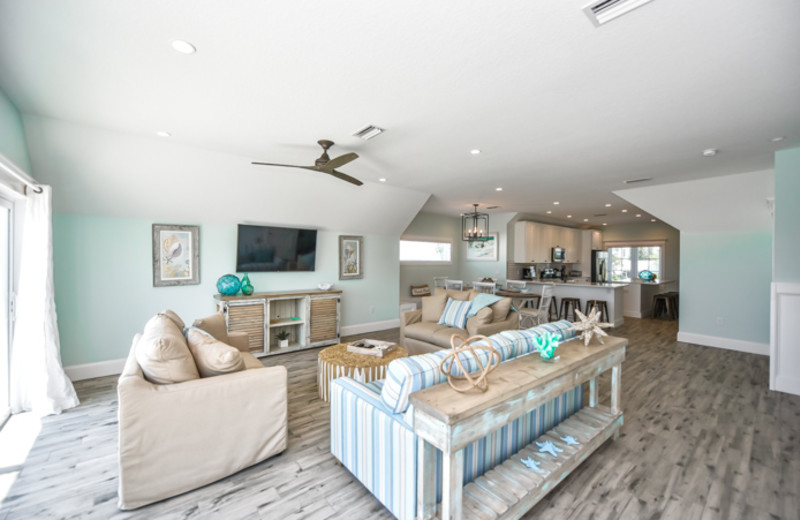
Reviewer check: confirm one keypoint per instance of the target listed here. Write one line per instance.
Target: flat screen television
(268, 248)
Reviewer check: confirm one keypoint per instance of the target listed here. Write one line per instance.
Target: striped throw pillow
(455, 313)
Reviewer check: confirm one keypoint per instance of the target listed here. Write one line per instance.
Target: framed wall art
(351, 266)
(176, 255)
(484, 250)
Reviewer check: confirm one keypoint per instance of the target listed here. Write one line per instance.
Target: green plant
(284, 334)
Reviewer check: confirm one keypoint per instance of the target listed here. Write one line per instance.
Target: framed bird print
(176, 255)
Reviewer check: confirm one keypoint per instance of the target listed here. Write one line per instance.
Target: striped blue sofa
(371, 423)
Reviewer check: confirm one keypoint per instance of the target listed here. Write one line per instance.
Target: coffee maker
(529, 273)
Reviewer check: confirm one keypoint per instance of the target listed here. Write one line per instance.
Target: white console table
(449, 421)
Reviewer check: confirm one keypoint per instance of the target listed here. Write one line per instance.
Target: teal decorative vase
(247, 287)
(228, 285)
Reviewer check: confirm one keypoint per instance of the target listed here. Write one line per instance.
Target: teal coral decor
(228, 285)
(247, 287)
(546, 345)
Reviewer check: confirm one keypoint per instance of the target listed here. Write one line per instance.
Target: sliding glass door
(6, 256)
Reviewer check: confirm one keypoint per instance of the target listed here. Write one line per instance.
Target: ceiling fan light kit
(475, 226)
(325, 164)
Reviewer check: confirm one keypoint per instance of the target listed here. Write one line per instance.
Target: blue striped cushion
(455, 313)
(407, 375)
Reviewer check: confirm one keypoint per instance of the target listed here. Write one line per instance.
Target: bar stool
(567, 305)
(601, 306)
(666, 304)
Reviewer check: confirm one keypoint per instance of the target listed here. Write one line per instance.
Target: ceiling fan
(325, 164)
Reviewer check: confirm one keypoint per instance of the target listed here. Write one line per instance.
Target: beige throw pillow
(460, 296)
(500, 309)
(162, 353)
(214, 325)
(213, 357)
(174, 317)
(482, 317)
(433, 306)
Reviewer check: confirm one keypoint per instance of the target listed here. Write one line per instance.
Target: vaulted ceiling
(560, 109)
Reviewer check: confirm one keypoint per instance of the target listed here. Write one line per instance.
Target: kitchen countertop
(555, 282)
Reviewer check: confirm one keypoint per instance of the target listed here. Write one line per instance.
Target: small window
(628, 262)
(426, 251)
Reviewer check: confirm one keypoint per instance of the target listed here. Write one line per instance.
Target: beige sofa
(186, 431)
(420, 331)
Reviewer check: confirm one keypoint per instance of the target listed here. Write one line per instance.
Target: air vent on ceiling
(634, 181)
(600, 215)
(603, 11)
(368, 132)
(492, 207)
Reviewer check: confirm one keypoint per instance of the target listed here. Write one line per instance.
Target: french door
(6, 299)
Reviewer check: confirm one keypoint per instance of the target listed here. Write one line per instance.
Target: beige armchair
(177, 437)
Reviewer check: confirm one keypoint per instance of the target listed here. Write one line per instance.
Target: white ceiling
(561, 110)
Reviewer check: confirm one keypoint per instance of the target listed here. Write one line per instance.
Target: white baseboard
(750, 347)
(362, 328)
(99, 369)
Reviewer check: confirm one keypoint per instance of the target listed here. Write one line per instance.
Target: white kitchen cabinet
(597, 240)
(533, 242)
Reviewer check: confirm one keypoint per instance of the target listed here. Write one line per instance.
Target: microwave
(558, 254)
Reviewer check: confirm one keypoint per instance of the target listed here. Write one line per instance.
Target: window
(628, 262)
(431, 251)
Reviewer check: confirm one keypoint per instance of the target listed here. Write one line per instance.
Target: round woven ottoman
(336, 361)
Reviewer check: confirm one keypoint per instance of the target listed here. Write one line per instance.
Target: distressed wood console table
(450, 421)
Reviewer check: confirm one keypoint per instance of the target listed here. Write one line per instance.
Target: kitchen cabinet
(597, 240)
(533, 242)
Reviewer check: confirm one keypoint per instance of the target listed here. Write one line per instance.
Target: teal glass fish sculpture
(547, 344)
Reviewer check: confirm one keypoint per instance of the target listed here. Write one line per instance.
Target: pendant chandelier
(475, 226)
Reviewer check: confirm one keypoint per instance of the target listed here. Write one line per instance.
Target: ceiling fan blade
(336, 162)
(315, 168)
(344, 177)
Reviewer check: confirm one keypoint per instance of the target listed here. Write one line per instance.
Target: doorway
(6, 302)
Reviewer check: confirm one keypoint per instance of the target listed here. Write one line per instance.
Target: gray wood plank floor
(703, 438)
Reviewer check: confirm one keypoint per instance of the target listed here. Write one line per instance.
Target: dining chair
(484, 287)
(438, 281)
(454, 285)
(530, 317)
(515, 284)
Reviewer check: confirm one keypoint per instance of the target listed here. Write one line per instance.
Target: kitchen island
(610, 292)
(638, 297)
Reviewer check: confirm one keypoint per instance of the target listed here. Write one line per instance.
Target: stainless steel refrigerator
(601, 264)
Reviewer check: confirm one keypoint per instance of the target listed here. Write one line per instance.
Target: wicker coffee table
(336, 361)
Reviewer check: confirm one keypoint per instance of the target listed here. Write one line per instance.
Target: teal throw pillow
(455, 313)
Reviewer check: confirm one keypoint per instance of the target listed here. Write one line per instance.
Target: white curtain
(38, 381)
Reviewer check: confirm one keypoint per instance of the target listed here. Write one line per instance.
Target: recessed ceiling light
(638, 215)
(778, 139)
(710, 152)
(162, 133)
(569, 216)
(652, 220)
(605, 223)
(608, 205)
(381, 180)
(586, 220)
(556, 203)
(624, 210)
(498, 189)
(475, 151)
(549, 212)
(183, 47)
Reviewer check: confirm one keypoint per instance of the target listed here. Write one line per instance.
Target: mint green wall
(104, 281)
(12, 134)
(726, 275)
(787, 215)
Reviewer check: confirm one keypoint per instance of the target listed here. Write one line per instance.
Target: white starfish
(533, 465)
(549, 447)
(590, 325)
(570, 440)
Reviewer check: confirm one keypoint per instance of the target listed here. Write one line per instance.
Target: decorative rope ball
(480, 382)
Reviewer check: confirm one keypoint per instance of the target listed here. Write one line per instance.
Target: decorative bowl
(228, 285)
(324, 286)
